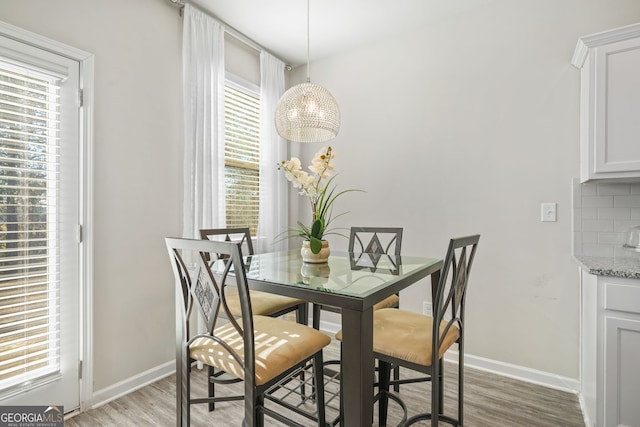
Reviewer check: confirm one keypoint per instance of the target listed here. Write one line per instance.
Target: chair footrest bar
(396, 399)
(216, 399)
(422, 417)
(409, 380)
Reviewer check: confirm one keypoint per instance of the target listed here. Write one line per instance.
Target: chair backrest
(449, 299)
(241, 235)
(367, 245)
(376, 240)
(204, 285)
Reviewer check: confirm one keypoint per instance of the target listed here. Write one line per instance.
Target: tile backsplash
(602, 214)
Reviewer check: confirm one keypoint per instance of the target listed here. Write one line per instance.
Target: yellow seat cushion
(262, 303)
(279, 345)
(406, 335)
(389, 302)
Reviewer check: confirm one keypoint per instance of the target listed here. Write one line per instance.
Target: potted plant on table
(319, 188)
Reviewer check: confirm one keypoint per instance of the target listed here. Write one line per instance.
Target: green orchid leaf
(316, 228)
(315, 245)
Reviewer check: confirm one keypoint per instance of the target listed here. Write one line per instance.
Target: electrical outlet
(426, 308)
(548, 212)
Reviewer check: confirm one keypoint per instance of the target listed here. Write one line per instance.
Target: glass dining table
(354, 283)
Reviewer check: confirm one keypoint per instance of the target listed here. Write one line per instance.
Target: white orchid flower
(320, 193)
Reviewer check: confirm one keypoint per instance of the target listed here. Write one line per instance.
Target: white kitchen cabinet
(609, 64)
(610, 362)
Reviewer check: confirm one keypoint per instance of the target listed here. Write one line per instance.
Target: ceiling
(280, 26)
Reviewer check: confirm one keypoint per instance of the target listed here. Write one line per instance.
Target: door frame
(85, 228)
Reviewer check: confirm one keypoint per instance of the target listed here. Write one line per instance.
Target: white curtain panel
(273, 219)
(203, 87)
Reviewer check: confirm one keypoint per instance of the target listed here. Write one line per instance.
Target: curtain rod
(232, 31)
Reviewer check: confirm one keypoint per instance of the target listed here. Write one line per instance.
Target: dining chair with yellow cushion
(366, 246)
(379, 241)
(263, 303)
(260, 350)
(419, 342)
(368, 242)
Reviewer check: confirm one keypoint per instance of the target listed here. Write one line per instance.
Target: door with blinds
(39, 227)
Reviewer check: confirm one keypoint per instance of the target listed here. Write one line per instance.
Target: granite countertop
(607, 266)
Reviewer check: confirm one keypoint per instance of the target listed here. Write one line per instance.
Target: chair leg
(212, 390)
(396, 370)
(460, 384)
(316, 316)
(302, 314)
(252, 410)
(185, 377)
(384, 374)
(302, 317)
(441, 387)
(260, 414)
(318, 373)
(436, 393)
(396, 377)
(341, 397)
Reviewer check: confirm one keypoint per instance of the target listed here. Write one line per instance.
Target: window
(242, 155)
(29, 117)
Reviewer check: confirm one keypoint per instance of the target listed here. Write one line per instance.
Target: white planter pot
(311, 258)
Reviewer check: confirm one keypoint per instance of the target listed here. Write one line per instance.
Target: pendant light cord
(308, 77)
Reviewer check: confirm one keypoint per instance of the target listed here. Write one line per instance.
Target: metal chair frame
(207, 292)
(242, 235)
(449, 307)
(375, 245)
(369, 250)
(375, 248)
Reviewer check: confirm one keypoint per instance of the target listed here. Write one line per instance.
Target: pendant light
(307, 112)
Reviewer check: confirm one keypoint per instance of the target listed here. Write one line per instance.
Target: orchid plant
(318, 187)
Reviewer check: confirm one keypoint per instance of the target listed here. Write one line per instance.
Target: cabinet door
(622, 371)
(590, 351)
(616, 103)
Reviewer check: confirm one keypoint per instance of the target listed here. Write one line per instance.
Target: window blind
(29, 264)
(242, 158)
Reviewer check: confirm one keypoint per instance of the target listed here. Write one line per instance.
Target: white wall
(466, 127)
(138, 169)
(462, 127)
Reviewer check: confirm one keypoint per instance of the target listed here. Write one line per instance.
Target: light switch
(548, 212)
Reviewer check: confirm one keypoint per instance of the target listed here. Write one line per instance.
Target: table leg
(357, 367)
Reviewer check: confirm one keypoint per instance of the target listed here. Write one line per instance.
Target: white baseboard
(134, 383)
(517, 372)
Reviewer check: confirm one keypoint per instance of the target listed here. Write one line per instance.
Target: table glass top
(356, 275)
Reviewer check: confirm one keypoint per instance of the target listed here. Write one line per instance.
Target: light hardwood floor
(490, 401)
